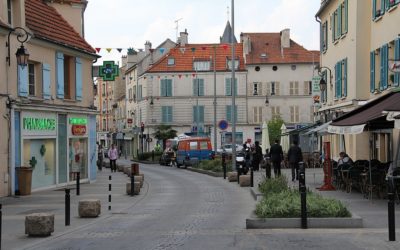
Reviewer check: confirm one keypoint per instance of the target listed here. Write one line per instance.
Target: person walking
(100, 157)
(276, 154)
(257, 156)
(113, 156)
(295, 156)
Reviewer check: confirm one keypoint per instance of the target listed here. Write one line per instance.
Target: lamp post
(22, 53)
(233, 88)
(322, 83)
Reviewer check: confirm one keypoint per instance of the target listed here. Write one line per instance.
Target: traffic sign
(223, 124)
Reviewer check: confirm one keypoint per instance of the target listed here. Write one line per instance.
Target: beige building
(359, 41)
(46, 106)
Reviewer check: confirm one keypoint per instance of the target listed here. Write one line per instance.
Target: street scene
(200, 124)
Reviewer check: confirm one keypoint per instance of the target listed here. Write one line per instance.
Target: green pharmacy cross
(109, 71)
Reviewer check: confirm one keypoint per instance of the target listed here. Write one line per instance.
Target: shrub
(274, 185)
(214, 165)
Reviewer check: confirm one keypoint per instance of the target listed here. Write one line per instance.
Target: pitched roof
(269, 44)
(184, 57)
(227, 36)
(47, 24)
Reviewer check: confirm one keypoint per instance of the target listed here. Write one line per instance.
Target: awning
(355, 121)
(301, 130)
(320, 130)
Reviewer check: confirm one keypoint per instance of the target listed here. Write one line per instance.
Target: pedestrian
(257, 156)
(100, 157)
(344, 159)
(295, 156)
(113, 156)
(276, 154)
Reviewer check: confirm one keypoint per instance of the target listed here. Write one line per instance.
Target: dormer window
(201, 65)
(171, 61)
(229, 63)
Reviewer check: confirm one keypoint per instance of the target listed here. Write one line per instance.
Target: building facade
(48, 103)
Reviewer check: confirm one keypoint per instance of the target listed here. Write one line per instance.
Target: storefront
(61, 145)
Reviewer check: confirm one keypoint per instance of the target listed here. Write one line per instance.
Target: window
(166, 87)
(201, 65)
(198, 87)
(324, 36)
(203, 145)
(229, 64)
(341, 79)
(193, 145)
(166, 114)
(273, 88)
(396, 56)
(104, 89)
(257, 115)
(229, 113)
(294, 88)
(31, 79)
(130, 94)
(307, 88)
(339, 21)
(275, 112)
(257, 88)
(294, 114)
(228, 86)
(198, 117)
(68, 77)
(171, 61)
(9, 11)
(139, 93)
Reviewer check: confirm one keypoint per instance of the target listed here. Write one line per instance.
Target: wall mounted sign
(77, 121)
(30, 123)
(78, 129)
(108, 71)
(38, 124)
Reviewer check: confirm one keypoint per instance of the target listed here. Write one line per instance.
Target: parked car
(192, 150)
(228, 148)
(167, 157)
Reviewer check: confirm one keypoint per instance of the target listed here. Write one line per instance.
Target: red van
(192, 150)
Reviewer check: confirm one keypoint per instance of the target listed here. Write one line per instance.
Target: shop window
(78, 157)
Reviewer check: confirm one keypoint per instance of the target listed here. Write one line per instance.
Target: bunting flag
(98, 50)
(108, 50)
(119, 50)
(225, 46)
(193, 49)
(162, 50)
(180, 76)
(204, 48)
(194, 75)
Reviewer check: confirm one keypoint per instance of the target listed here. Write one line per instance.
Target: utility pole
(215, 98)
(233, 88)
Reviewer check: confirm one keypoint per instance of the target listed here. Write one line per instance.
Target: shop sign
(30, 123)
(38, 124)
(78, 129)
(130, 120)
(77, 121)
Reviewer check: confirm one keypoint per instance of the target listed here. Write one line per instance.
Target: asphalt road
(187, 210)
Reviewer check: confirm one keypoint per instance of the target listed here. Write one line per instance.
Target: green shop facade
(61, 144)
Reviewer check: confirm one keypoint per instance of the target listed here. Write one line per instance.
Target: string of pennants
(158, 77)
(161, 50)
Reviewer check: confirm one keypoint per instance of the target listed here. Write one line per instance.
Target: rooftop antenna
(227, 12)
(177, 27)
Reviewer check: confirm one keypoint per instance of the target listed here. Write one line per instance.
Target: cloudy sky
(130, 23)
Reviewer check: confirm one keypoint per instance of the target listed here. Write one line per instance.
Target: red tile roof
(184, 57)
(270, 44)
(47, 24)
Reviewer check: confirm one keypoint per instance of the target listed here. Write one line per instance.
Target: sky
(130, 23)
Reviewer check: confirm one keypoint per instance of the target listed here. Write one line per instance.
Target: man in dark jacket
(257, 156)
(295, 156)
(276, 154)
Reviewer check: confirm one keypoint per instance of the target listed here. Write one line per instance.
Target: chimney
(285, 38)
(183, 39)
(147, 47)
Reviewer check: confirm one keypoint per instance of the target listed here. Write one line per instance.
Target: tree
(274, 128)
(164, 132)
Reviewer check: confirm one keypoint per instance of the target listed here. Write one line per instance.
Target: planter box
(24, 180)
(267, 223)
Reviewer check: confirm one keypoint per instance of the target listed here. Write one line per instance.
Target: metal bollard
(251, 177)
(302, 189)
(224, 163)
(67, 207)
(132, 185)
(109, 192)
(391, 209)
(78, 179)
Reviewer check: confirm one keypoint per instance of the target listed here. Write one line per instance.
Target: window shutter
(296, 88)
(268, 89)
(60, 74)
(346, 16)
(382, 74)
(46, 81)
(339, 18)
(169, 87)
(236, 87)
(372, 72)
(164, 114)
(297, 113)
(260, 88)
(228, 89)
(255, 114)
(383, 6)
(345, 77)
(385, 66)
(340, 94)
(201, 116)
(373, 9)
(194, 113)
(163, 88)
(201, 87)
(321, 37)
(397, 57)
(336, 81)
(277, 88)
(22, 81)
(333, 26)
(78, 78)
(228, 113)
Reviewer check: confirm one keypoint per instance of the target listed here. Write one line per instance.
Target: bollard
(78, 179)
(67, 207)
(152, 155)
(302, 189)
(391, 210)
(132, 184)
(109, 192)
(224, 163)
(1, 219)
(268, 168)
(251, 177)
(238, 174)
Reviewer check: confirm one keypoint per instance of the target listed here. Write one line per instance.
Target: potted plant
(25, 177)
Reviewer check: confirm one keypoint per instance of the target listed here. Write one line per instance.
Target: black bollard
(391, 210)
(132, 184)
(302, 189)
(78, 179)
(67, 207)
(1, 219)
(251, 177)
(109, 192)
(238, 174)
(152, 155)
(224, 163)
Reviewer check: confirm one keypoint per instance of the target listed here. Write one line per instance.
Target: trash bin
(24, 180)
(135, 168)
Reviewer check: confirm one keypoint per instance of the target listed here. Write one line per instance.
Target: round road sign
(223, 124)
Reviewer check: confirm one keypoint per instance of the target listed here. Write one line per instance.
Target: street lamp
(266, 100)
(22, 53)
(322, 83)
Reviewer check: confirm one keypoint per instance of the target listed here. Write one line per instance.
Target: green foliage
(282, 202)
(214, 165)
(147, 156)
(164, 132)
(274, 129)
